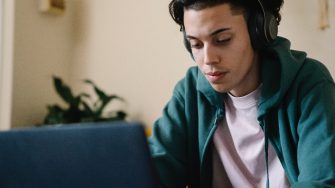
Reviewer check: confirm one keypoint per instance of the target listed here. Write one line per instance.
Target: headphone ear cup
(263, 29)
(255, 27)
(271, 27)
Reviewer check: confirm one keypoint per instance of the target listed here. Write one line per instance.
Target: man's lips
(214, 73)
(214, 76)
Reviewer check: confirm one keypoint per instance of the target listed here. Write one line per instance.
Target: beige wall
(6, 59)
(42, 48)
(125, 47)
(300, 24)
(130, 48)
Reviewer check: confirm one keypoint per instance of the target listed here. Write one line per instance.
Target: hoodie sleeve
(316, 131)
(168, 143)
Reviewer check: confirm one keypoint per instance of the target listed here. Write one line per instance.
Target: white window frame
(6, 61)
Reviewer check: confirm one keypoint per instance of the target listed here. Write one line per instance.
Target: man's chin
(219, 88)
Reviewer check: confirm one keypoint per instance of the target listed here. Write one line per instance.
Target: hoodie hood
(279, 67)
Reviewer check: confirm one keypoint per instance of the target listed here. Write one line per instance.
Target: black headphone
(262, 26)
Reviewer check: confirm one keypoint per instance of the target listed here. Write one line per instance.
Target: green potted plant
(81, 107)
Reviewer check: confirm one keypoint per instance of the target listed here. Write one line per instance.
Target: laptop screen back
(90, 155)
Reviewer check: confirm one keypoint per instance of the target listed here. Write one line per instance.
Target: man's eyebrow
(219, 31)
(211, 34)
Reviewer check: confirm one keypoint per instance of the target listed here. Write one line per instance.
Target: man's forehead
(208, 20)
(222, 10)
(204, 5)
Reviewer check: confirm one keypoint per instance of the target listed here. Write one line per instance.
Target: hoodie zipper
(218, 117)
(266, 151)
(266, 148)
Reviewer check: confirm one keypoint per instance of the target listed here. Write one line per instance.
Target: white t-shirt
(239, 154)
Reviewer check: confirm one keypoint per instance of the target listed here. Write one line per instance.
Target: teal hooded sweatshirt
(296, 112)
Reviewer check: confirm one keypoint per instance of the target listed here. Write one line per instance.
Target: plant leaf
(79, 107)
(55, 115)
(86, 95)
(64, 91)
(87, 109)
(103, 100)
(102, 95)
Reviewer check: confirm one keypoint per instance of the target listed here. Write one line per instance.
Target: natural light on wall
(1, 52)
(6, 60)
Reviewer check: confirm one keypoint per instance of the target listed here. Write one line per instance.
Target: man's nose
(210, 55)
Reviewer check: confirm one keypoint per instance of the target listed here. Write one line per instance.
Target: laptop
(92, 155)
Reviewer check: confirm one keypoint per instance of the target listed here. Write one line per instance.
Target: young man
(253, 113)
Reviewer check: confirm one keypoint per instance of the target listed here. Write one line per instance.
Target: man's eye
(223, 41)
(195, 45)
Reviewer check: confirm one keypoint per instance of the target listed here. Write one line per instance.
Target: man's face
(222, 49)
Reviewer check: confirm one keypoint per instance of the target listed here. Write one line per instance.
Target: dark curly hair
(176, 7)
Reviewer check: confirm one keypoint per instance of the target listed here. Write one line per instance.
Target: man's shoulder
(192, 73)
(189, 81)
(314, 70)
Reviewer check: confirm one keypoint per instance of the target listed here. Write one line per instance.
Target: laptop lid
(93, 155)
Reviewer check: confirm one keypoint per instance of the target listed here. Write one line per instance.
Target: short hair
(177, 7)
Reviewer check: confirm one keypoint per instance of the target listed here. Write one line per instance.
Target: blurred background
(130, 48)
